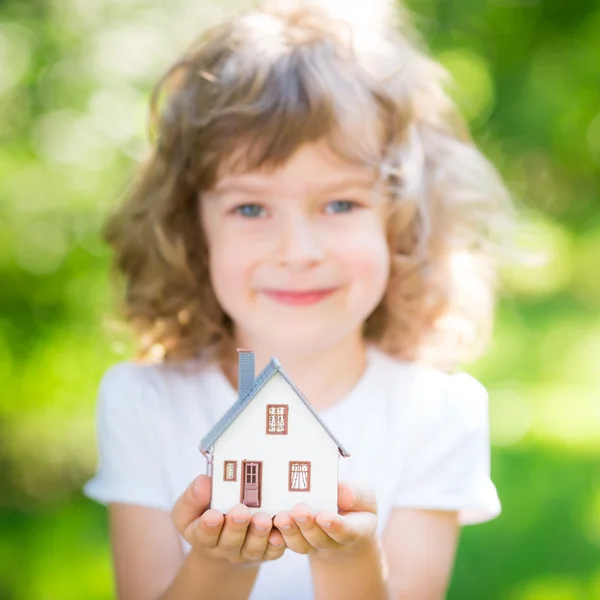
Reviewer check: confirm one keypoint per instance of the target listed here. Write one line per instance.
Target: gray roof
(229, 417)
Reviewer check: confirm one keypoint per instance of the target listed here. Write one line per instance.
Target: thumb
(353, 498)
(192, 503)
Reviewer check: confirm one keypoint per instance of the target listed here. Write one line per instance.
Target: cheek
(367, 258)
(232, 266)
(227, 265)
(222, 249)
(225, 279)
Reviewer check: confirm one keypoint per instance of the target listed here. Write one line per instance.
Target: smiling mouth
(298, 298)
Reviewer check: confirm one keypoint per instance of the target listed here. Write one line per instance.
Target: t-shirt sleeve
(129, 467)
(448, 464)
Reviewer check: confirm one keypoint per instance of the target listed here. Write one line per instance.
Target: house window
(299, 477)
(230, 471)
(277, 419)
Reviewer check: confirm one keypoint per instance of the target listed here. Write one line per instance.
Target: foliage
(74, 81)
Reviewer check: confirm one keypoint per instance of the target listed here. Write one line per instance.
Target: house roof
(229, 417)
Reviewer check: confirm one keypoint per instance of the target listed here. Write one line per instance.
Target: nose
(299, 244)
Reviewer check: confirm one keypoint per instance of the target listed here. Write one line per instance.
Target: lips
(298, 298)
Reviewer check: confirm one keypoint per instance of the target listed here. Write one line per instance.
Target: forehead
(313, 167)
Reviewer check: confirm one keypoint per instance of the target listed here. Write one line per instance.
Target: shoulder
(128, 381)
(433, 397)
(449, 413)
(123, 376)
(457, 398)
(126, 394)
(396, 374)
(131, 386)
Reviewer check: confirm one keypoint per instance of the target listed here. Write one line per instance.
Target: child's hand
(237, 537)
(331, 534)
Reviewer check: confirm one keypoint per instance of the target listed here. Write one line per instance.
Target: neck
(324, 376)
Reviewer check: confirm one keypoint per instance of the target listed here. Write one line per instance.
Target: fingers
(275, 547)
(237, 536)
(349, 529)
(234, 531)
(192, 503)
(257, 537)
(205, 530)
(292, 536)
(304, 531)
(311, 531)
(353, 498)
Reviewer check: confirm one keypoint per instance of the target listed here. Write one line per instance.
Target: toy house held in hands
(271, 450)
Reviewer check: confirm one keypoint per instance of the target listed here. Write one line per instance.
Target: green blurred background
(74, 83)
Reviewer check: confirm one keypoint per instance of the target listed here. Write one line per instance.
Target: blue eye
(251, 211)
(341, 206)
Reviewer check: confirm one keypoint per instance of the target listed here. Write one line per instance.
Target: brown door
(251, 481)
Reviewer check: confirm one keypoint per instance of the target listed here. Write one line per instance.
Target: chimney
(245, 372)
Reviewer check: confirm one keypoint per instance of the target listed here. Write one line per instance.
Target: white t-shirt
(417, 436)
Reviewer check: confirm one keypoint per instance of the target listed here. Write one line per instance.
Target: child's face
(298, 256)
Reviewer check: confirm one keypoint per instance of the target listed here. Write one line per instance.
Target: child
(312, 196)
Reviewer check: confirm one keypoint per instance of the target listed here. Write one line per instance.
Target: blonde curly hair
(272, 80)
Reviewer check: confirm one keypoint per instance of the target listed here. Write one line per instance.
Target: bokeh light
(75, 77)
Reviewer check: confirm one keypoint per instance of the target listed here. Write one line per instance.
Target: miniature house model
(271, 450)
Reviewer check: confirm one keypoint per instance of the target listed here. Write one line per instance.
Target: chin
(303, 336)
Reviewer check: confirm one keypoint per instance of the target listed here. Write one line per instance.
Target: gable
(262, 389)
(251, 426)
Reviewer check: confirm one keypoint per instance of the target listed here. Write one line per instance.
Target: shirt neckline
(366, 378)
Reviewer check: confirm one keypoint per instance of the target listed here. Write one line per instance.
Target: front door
(251, 483)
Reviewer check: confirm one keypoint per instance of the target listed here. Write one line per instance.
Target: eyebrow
(366, 182)
(239, 186)
(256, 187)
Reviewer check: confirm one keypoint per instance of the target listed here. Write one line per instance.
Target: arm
(218, 581)
(414, 561)
(359, 575)
(222, 564)
(149, 562)
(345, 557)
(420, 547)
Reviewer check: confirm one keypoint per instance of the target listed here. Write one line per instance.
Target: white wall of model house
(306, 441)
